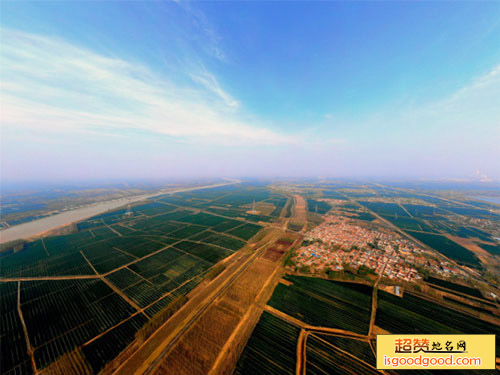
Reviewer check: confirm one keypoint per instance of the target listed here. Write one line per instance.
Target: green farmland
(271, 350)
(325, 303)
(115, 272)
(323, 358)
(447, 247)
(416, 315)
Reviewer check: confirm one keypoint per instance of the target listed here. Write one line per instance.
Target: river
(35, 227)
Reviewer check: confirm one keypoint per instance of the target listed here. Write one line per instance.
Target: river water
(35, 227)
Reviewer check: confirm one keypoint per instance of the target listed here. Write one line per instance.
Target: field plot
(61, 315)
(187, 231)
(153, 208)
(416, 210)
(359, 349)
(102, 233)
(279, 204)
(365, 216)
(22, 264)
(332, 194)
(385, 209)
(13, 346)
(453, 286)
(325, 303)
(323, 358)
(492, 249)
(211, 254)
(246, 231)
(203, 219)
(470, 232)
(108, 346)
(219, 240)
(121, 268)
(227, 225)
(136, 246)
(318, 207)
(447, 247)
(416, 315)
(271, 349)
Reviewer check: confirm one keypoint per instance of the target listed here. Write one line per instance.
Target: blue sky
(131, 89)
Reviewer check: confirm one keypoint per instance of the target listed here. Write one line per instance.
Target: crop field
(227, 225)
(208, 253)
(246, 231)
(318, 207)
(332, 194)
(359, 349)
(453, 286)
(416, 210)
(492, 249)
(153, 208)
(142, 258)
(271, 349)
(447, 247)
(385, 209)
(108, 346)
(187, 231)
(466, 305)
(323, 358)
(365, 216)
(473, 212)
(416, 315)
(203, 219)
(279, 204)
(325, 303)
(13, 349)
(218, 239)
(61, 315)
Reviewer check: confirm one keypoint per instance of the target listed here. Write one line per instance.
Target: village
(342, 243)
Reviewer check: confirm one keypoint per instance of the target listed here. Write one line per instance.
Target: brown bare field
(198, 349)
(263, 208)
(300, 210)
(485, 257)
(214, 343)
(469, 245)
(379, 331)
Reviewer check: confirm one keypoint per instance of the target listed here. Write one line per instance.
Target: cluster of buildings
(339, 243)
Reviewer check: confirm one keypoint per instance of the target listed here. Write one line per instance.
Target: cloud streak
(52, 85)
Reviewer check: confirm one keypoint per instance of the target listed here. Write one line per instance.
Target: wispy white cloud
(209, 81)
(49, 84)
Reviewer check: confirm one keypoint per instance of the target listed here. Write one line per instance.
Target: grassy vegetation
(325, 303)
(448, 248)
(271, 349)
